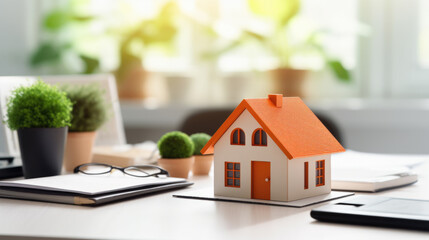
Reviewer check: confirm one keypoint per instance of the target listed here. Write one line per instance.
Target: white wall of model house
(296, 177)
(225, 152)
(287, 176)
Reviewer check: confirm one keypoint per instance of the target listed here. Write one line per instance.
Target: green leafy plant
(199, 140)
(38, 106)
(54, 47)
(280, 14)
(175, 144)
(132, 40)
(89, 107)
(160, 30)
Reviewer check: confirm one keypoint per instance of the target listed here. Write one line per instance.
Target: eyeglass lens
(137, 171)
(142, 171)
(95, 169)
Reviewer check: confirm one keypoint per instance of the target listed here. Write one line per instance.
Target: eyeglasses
(135, 171)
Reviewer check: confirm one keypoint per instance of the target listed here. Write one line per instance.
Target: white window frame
(389, 62)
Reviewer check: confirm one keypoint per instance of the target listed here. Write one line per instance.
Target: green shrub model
(200, 140)
(41, 114)
(89, 107)
(202, 163)
(89, 114)
(175, 145)
(176, 149)
(38, 106)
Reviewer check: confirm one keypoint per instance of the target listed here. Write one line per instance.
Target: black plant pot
(42, 151)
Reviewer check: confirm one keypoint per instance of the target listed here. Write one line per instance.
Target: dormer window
(259, 138)
(238, 137)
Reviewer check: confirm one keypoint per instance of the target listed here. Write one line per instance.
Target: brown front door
(261, 180)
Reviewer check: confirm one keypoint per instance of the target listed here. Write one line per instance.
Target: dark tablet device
(377, 211)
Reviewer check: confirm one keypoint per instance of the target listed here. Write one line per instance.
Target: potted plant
(176, 149)
(202, 163)
(41, 114)
(287, 79)
(281, 41)
(161, 30)
(133, 42)
(54, 51)
(88, 114)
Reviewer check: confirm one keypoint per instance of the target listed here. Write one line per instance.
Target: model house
(272, 148)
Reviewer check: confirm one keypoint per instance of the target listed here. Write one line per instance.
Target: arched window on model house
(238, 137)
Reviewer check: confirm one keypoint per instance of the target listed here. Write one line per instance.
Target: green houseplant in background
(280, 43)
(176, 149)
(135, 41)
(69, 45)
(41, 114)
(202, 163)
(89, 113)
(58, 51)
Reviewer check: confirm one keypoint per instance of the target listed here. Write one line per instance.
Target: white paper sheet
(86, 184)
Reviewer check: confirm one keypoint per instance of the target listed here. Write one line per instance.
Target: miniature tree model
(89, 113)
(202, 163)
(176, 149)
(41, 114)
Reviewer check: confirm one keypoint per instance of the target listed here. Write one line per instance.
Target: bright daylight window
(104, 35)
(196, 39)
(337, 36)
(423, 34)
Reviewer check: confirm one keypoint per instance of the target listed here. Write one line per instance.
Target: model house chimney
(276, 99)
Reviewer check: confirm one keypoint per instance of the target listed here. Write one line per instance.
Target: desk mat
(207, 194)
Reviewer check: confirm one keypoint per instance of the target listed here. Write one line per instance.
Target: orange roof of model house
(289, 122)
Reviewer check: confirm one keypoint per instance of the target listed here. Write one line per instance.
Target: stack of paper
(82, 189)
(371, 172)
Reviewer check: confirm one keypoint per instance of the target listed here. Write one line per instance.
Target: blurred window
(407, 52)
(332, 23)
(423, 32)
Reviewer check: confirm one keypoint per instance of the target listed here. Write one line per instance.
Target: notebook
(372, 172)
(82, 189)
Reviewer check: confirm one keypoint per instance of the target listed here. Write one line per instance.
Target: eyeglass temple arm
(164, 172)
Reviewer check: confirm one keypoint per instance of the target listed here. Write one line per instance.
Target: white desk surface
(164, 217)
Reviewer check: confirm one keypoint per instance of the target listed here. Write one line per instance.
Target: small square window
(237, 166)
(232, 174)
(320, 173)
(237, 182)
